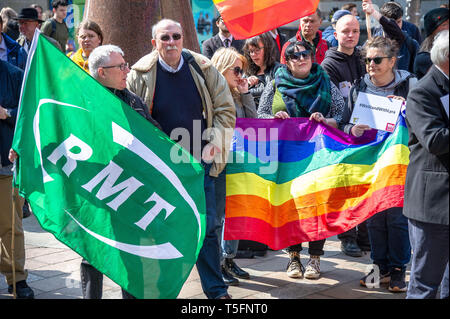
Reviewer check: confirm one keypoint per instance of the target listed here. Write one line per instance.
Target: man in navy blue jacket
(11, 51)
(11, 82)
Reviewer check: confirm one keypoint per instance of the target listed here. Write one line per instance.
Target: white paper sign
(345, 87)
(444, 101)
(376, 111)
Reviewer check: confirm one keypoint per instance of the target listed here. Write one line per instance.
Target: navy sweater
(178, 104)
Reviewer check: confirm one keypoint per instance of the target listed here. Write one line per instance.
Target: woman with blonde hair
(231, 65)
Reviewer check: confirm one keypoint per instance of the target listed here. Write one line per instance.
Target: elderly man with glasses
(186, 94)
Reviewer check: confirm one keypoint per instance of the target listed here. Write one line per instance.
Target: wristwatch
(8, 112)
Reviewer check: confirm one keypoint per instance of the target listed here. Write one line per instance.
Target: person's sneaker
(312, 270)
(235, 270)
(295, 268)
(370, 281)
(228, 278)
(23, 291)
(397, 282)
(351, 248)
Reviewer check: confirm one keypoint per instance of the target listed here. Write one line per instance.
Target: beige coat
(216, 98)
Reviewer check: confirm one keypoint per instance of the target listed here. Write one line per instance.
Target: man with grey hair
(107, 65)
(426, 187)
(187, 94)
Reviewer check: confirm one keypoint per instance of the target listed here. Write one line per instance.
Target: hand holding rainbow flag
(248, 18)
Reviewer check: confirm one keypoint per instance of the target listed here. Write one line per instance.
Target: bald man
(344, 65)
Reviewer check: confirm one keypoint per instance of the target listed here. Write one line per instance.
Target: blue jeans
(429, 268)
(229, 247)
(208, 262)
(389, 239)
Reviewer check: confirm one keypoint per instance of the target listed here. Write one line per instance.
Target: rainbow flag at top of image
(293, 181)
(248, 18)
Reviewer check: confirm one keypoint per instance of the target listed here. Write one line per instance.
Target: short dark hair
(269, 52)
(290, 49)
(392, 10)
(349, 6)
(59, 3)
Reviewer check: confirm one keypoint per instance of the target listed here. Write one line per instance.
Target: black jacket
(426, 187)
(342, 67)
(136, 104)
(422, 64)
(213, 44)
(10, 85)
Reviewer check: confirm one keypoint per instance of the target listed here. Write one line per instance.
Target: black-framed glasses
(122, 66)
(302, 54)
(255, 51)
(376, 60)
(167, 37)
(238, 71)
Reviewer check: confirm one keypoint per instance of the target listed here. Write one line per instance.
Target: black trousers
(315, 248)
(92, 282)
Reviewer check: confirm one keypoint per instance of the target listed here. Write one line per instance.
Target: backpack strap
(53, 27)
(191, 60)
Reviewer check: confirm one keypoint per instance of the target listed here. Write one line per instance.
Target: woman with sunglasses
(231, 64)
(302, 89)
(261, 56)
(388, 230)
(89, 36)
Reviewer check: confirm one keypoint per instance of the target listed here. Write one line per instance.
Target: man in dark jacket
(344, 66)
(426, 187)
(309, 31)
(11, 51)
(390, 19)
(107, 65)
(222, 39)
(10, 202)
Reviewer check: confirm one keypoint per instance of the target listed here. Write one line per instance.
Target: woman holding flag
(302, 89)
(388, 230)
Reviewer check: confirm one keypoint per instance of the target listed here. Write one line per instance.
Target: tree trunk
(128, 24)
(412, 11)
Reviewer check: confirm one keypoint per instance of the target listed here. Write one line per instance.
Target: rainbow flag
(248, 18)
(293, 181)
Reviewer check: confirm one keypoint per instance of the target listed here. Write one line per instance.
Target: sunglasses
(302, 54)
(238, 71)
(122, 67)
(166, 37)
(376, 60)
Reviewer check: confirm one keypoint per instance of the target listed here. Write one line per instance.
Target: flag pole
(13, 222)
(368, 27)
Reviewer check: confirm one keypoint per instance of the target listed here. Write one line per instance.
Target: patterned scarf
(305, 96)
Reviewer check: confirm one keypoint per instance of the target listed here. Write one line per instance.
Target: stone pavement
(54, 273)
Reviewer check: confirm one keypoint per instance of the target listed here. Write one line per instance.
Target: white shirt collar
(223, 38)
(168, 68)
(441, 71)
(273, 34)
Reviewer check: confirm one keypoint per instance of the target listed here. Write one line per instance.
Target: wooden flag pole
(368, 27)
(13, 262)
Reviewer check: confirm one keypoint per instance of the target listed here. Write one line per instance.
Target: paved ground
(54, 273)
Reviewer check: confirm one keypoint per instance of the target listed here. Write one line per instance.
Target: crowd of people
(315, 75)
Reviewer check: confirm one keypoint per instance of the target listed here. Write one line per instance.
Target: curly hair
(388, 46)
(269, 52)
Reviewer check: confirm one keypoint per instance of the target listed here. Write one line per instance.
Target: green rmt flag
(99, 177)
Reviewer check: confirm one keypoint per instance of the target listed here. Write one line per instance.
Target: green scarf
(305, 96)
